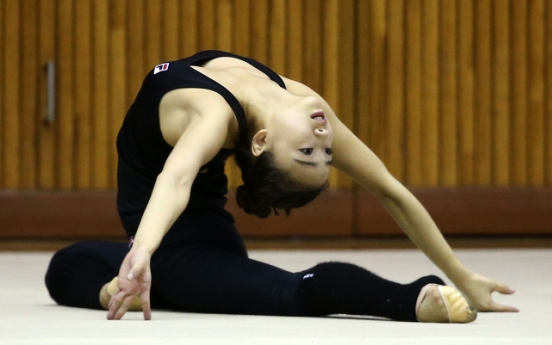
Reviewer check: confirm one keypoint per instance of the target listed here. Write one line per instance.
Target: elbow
(176, 180)
(390, 190)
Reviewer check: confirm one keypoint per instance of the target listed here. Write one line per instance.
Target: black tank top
(143, 150)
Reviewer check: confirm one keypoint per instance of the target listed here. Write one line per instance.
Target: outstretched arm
(358, 161)
(355, 159)
(203, 137)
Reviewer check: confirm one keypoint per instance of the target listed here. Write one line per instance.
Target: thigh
(206, 228)
(211, 279)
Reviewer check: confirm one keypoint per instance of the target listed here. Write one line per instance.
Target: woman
(189, 116)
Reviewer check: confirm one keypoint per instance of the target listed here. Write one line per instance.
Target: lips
(319, 117)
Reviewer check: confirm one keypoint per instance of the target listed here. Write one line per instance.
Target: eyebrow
(312, 164)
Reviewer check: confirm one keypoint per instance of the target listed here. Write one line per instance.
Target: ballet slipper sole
(112, 289)
(459, 309)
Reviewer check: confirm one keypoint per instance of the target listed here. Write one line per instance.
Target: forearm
(168, 200)
(415, 221)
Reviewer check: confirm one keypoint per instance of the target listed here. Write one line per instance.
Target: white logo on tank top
(161, 68)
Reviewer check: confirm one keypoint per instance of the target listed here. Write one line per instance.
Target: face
(300, 137)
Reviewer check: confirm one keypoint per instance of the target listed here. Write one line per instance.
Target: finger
(502, 308)
(124, 307)
(114, 303)
(504, 289)
(146, 306)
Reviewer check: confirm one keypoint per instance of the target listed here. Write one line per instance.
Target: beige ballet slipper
(112, 289)
(457, 306)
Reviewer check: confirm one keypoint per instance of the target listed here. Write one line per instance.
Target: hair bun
(248, 203)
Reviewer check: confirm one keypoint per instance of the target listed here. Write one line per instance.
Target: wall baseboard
(457, 211)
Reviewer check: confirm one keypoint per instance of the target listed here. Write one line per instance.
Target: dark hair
(266, 187)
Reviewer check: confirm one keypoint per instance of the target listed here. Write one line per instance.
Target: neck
(263, 103)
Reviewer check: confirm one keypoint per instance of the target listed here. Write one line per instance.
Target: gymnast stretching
(184, 251)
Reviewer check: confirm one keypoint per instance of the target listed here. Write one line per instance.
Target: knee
(68, 266)
(323, 281)
(58, 269)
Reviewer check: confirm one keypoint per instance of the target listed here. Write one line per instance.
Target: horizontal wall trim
(457, 211)
(469, 211)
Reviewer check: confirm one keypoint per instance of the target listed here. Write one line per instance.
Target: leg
(202, 266)
(77, 274)
(342, 288)
(212, 280)
(210, 272)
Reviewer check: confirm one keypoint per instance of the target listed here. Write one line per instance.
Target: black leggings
(204, 267)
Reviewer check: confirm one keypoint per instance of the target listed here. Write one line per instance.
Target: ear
(258, 144)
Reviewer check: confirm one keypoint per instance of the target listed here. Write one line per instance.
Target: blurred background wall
(449, 93)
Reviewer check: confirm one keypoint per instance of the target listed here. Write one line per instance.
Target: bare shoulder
(179, 108)
(298, 88)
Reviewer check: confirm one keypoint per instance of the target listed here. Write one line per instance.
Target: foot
(109, 290)
(430, 306)
(438, 303)
(105, 297)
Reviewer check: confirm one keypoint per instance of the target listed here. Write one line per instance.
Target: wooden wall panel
(2, 82)
(548, 93)
(535, 114)
(448, 93)
(100, 107)
(65, 101)
(46, 135)
(153, 29)
(82, 85)
(413, 131)
(224, 25)
(375, 112)
(118, 102)
(295, 41)
(241, 27)
(519, 88)
(29, 90)
(429, 154)
(395, 88)
(137, 64)
(482, 125)
(189, 29)
(171, 30)
(206, 23)
(312, 29)
(466, 92)
(277, 36)
(12, 66)
(501, 93)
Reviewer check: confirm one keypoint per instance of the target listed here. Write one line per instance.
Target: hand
(479, 289)
(134, 280)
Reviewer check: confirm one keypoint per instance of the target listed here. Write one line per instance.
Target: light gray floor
(28, 316)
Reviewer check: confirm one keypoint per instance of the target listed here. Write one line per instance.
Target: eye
(328, 151)
(307, 152)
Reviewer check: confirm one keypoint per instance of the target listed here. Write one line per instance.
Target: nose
(321, 131)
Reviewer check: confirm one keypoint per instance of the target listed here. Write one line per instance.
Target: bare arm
(200, 142)
(203, 137)
(355, 159)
